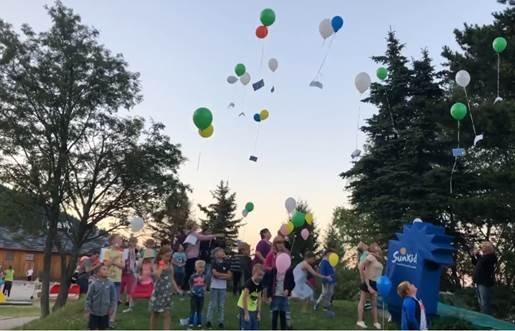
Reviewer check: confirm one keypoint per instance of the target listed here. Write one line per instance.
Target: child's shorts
(98, 322)
(279, 304)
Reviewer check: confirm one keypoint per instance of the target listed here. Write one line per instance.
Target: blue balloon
(257, 118)
(337, 23)
(384, 285)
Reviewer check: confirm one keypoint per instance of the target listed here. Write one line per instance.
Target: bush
(347, 284)
(451, 323)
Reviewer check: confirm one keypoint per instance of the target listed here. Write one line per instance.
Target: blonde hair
(403, 289)
(163, 251)
(200, 263)
(375, 250)
(487, 247)
(258, 267)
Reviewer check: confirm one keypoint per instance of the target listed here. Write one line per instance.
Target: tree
(62, 143)
(220, 215)
(173, 218)
(299, 246)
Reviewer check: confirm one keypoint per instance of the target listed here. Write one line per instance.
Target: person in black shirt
(485, 261)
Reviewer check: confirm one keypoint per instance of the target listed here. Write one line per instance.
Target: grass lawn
(18, 311)
(72, 317)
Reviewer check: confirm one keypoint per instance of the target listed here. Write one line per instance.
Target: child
(161, 298)
(413, 316)
(250, 300)
(179, 261)
(221, 274)
(113, 259)
(129, 275)
(101, 300)
(246, 262)
(278, 286)
(302, 290)
(8, 278)
(197, 284)
(328, 284)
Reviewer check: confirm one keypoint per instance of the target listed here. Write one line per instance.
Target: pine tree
(299, 246)
(220, 215)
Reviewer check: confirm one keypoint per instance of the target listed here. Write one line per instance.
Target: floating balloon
(309, 218)
(261, 32)
(232, 79)
(208, 132)
(287, 228)
(381, 73)
(249, 206)
(417, 220)
(290, 204)
(202, 117)
(263, 115)
(298, 219)
(267, 17)
(245, 78)
(304, 234)
(136, 224)
(245, 212)
(337, 23)
(384, 285)
(499, 44)
(462, 78)
(273, 64)
(240, 69)
(333, 259)
(257, 118)
(362, 82)
(282, 263)
(458, 111)
(325, 28)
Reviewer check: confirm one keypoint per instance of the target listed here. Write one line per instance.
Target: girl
(302, 290)
(370, 270)
(161, 298)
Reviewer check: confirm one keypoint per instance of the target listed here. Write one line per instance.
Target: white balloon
(362, 82)
(273, 64)
(245, 78)
(245, 212)
(325, 28)
(417, 220)
(136, 224)
(232, 79)
(462, 78)
(290, 204)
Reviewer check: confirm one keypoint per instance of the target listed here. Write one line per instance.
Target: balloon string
(257, 138)
(455, 160)
(325, 58)
(198, 161)
(391, 115)
(262, 57)
(498, 72)
(470, 112)
(459, 126)
(357, 124)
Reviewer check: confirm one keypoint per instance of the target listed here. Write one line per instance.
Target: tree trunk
(47, 262)
(67, 270)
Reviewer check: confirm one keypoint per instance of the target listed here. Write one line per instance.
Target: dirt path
(7, 323)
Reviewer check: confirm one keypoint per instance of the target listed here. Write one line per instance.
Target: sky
(184, 50)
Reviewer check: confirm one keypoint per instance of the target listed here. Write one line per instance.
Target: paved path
(7, 323)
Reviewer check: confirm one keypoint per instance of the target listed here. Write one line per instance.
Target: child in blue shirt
(328, 283)
(197, 284)
(413, 314)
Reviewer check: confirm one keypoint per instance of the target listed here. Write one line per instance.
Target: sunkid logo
(402, 258)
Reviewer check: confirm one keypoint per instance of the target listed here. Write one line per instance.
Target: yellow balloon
(264, 114)
(333, 259)
(290, 227)
(2, 298)
(309, 218)
(206, 133)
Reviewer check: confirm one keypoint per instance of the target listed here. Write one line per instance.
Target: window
(29, 257)
(9, 256)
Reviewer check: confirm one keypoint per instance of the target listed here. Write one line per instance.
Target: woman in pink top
(192, 244)
(277, 247)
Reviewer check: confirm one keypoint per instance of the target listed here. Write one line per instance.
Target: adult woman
(484, 274)
(302, 289)
(192, 243)
(370, 270)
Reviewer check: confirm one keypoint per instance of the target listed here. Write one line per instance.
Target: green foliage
(347, 284)
(451, 323)
(220, 215)
(300, 246)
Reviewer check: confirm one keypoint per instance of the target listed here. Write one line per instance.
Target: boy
(221, 274)
(250, 300)
(328, 284)
(179, 262)
(197, 284)
(413, 315)
(101, 300)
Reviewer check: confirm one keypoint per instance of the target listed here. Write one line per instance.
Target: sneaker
(315, 307)
(361, 324)
(128, 310)
(378, 326)
(199, 326)
(221, 326)
(208, 325)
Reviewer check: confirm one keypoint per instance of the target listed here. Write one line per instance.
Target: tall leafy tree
(63, 144)
(220, 216)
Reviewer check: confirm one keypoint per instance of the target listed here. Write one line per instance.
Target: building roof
(24, 241)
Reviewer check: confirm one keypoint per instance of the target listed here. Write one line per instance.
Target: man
(484, 261)
(263, 247)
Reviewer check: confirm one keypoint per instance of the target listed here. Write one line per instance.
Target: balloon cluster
(249, 206)
(261, 116)
(297, 219)
(363, 81)
(267, 18)
(203, 119)
(330, 26)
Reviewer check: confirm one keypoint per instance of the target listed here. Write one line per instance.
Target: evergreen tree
(220, 215)
(298, 245)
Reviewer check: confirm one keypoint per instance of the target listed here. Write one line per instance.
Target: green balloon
(458, 111)
(240, 69)
(202, 117)
(499, 44)
(298, 219)
(249, 207)
(267, 17)
(381, 73)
